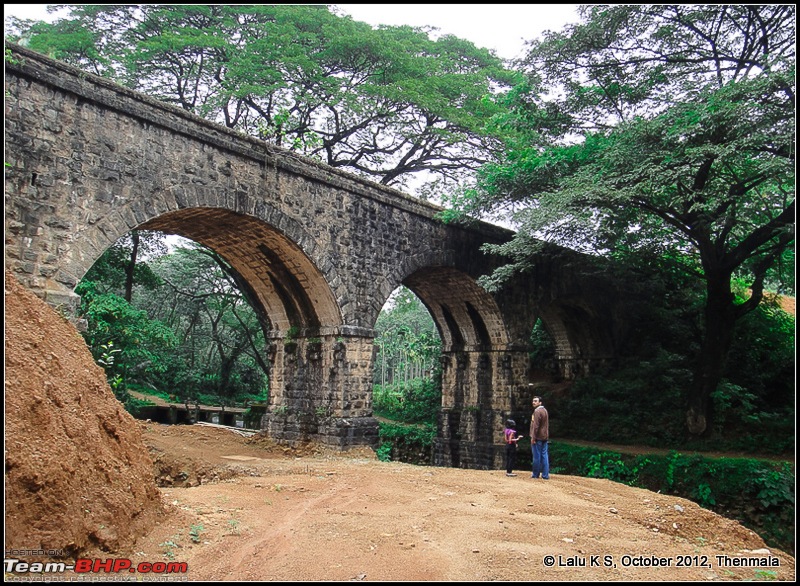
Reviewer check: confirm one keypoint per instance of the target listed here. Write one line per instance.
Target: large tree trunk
(131, 268)
(225, 372)
(720, 321)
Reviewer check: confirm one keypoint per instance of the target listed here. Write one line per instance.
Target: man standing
(540, 435)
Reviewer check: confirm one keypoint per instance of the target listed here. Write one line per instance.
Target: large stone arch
(317, 382)
(293, 291)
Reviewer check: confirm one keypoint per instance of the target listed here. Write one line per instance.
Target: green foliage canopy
(221, 336)
(668, 132)
(383, 102)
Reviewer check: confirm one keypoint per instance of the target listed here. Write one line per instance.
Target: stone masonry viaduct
(88, 161)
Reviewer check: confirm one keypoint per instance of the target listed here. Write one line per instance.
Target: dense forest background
(661, 136)
(171, 321)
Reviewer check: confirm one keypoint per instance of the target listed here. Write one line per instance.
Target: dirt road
(266, 513)
(78, 476)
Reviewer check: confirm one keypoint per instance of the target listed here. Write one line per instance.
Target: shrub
(419, 401)
(406, 443)
(758, 493)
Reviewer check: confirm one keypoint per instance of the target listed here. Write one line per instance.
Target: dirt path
(267, 513)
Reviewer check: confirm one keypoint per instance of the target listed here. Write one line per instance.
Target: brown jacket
(540, 425)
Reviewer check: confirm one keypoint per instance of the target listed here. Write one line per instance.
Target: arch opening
(169, 324)
(295, 323)
(407, 371)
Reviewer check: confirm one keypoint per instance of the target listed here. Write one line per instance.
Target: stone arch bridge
(321, 250)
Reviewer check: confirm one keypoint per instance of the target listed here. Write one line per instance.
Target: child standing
(511, 439)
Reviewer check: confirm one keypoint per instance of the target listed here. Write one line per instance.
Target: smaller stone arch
(467, 316)
(579, 343)
(479, 365)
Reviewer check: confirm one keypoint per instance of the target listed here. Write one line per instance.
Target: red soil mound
(77, 473)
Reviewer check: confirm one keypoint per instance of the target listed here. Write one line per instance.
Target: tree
(668, 132)
(384, 103)
(127, 263)
(123, 339)
(221, 336)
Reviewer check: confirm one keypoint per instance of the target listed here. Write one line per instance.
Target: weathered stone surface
(321, 250)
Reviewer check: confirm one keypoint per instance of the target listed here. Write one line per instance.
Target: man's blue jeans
(540, 463)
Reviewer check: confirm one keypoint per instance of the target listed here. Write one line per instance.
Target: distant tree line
(408, 343)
